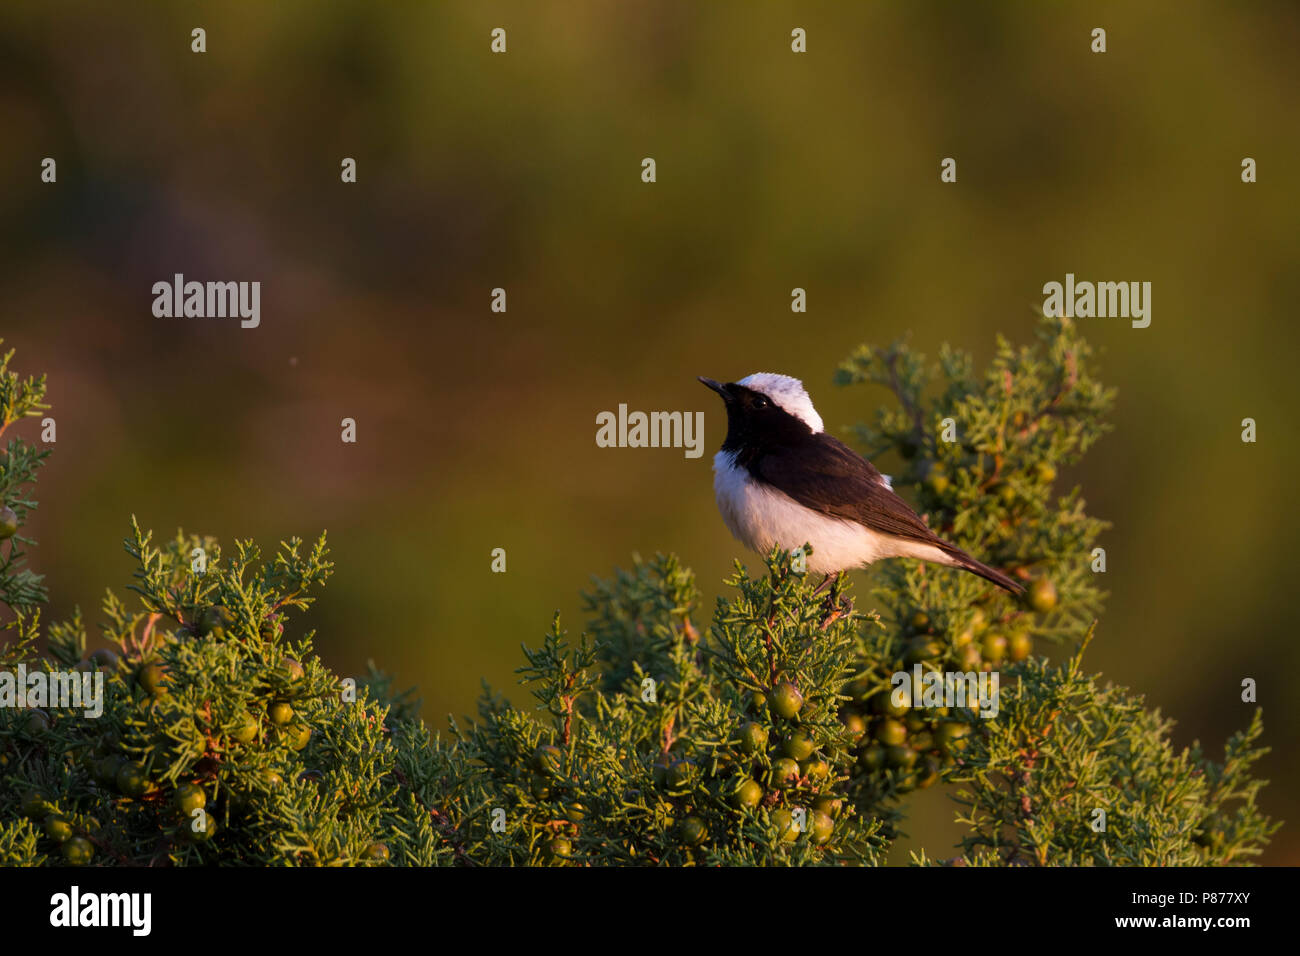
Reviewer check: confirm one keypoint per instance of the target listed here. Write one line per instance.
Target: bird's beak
(716, 386)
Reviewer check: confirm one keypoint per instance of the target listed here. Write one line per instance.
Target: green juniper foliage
(20, 398)
(768, 736)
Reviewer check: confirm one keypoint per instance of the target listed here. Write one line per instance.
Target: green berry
(815, 769)
(245, 731)
(575, 813)
(855, 725)
(1042, 595)
(994, 646)
(558, 848)
(292, 669)
(1045, 472)
(798, 745)
(785, 773)
(873, 758)
(377, 852)
(105, 659)
(900, 757)
(280, 712)
(890, 732)
(132, 779)
(78, 851)
(753, 738)
(921, 650)
(921, 741)
(915, 720)
(35, 806)
(190, 797)
(828, 805)
(1019, 646)
(152, 679)
(8, 522)
(106, 769)
(786, 700)
(548, 759)
(36, 721)
(694, 831)
(882, 702)
(822, 828)
(202, 828)
(211, 622)
(950, 736)
(660, 770)
(783, 820)
(757, 701)
(747, 795)
(58, 827)
(297, 735)
(680, 774)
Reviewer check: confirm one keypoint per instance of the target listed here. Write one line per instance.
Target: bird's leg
(836, 607)
(825, 581)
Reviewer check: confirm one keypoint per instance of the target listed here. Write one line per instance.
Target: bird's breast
(761, 517)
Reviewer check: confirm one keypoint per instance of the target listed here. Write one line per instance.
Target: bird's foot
(826, 581)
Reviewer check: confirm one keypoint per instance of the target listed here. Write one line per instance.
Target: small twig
(568, 708)
(918, 420)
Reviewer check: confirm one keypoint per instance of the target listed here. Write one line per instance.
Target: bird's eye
(760, 402)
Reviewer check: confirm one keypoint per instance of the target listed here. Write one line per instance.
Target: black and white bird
(781, 480)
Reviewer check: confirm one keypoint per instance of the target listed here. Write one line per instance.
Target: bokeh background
(775, 170)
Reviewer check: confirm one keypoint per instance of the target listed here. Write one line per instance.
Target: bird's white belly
(761, 516)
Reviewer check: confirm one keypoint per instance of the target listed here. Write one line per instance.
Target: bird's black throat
(757, 425)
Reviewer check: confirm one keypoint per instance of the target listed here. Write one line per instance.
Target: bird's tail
(961, 559)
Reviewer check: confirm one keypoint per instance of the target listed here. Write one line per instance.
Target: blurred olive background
(775, 170)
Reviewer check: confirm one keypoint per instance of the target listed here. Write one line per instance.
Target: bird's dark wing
(829, 477)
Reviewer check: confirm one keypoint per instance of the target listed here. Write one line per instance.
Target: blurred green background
(775, 170)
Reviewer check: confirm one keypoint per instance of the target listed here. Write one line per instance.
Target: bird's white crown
(788, 393)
